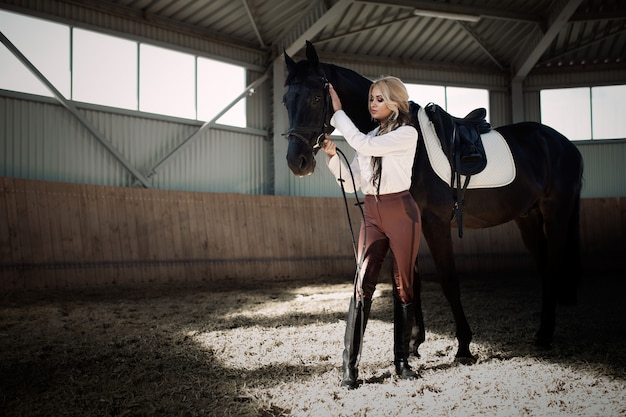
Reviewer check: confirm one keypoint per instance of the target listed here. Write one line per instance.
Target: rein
(358, 203)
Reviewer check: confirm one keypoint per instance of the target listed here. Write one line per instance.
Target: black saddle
(461, 143)
(460, 138)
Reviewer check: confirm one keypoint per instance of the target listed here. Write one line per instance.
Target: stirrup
(472, 157)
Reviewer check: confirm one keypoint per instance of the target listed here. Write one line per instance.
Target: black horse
(543, 198)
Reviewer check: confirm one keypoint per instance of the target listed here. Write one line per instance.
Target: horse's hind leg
(531, 226)
(567, 293)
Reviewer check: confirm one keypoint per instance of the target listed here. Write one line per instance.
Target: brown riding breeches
(393, 221)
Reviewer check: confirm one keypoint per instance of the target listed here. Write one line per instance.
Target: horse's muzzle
(300, 158)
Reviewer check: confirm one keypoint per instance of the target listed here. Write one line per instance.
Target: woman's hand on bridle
(334, 98)
(329, 146)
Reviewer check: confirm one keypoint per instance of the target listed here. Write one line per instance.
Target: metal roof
(517, 36)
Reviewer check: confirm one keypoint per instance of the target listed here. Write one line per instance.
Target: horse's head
(309, 109)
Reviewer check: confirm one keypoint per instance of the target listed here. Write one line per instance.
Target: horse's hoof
(465, 357)
(350, 385)
(542, 341)
(349, 380)
(465, 360)
(542, 344)
(404, 370)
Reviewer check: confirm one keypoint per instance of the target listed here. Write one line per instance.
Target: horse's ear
(291, 64)
(311, 54)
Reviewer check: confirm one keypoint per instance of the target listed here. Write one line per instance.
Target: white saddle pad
(500, 169)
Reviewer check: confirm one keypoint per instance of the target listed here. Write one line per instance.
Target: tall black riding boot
(358, 314)
(403, 318)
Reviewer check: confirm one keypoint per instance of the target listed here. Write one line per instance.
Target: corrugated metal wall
(604, 174)
(42, 140)
(608, 76)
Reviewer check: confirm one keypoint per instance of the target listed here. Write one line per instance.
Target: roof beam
(319, 23)
(601, 15)
(254, 25)
(582, 46)
(475, 10)
(562, 11)
(365, 29)
(476, 38)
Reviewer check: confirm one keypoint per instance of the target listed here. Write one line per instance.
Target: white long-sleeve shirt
(397, 149)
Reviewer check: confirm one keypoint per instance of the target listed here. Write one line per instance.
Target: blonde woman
(382, 168)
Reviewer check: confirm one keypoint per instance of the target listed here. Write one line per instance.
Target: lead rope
(359, 260)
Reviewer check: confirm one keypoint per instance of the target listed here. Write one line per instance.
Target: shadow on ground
(130, 351)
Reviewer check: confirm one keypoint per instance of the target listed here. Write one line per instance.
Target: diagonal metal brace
(75, 112)
(205, 126)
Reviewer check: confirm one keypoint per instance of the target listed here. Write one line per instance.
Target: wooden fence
(60, 235)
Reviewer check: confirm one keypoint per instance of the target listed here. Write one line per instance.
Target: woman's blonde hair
(397, 100)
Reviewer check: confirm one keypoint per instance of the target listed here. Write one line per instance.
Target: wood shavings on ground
(273, 348)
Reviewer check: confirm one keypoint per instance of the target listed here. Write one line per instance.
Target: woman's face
(378, 107)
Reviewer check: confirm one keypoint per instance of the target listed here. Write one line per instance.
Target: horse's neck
(353, 90)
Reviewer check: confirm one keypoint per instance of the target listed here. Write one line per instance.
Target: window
(461, 101)
(584, 112)
(117, 72)
(166, 82)
(457, 101)
(568, 111)
(607, 107)
(219, 84)
(109, 60)
(48, 51)
(424, 94)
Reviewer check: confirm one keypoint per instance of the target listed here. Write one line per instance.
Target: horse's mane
(353, 90)
(355, 83)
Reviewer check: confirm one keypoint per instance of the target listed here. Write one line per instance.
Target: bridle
(300, 131)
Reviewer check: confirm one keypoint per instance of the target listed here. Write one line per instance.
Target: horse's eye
(318, 99)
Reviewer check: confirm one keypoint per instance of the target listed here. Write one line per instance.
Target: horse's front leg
(438, 236)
